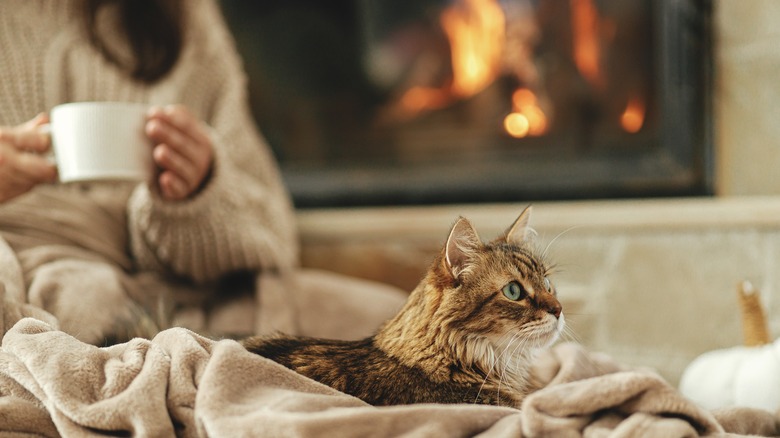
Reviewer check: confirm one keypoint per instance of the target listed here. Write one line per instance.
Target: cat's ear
(520, 230)
(462, 244)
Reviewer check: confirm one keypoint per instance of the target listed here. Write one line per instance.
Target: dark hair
(153, 30)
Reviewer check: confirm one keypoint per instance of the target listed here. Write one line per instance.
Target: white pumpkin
(739, 376)
(746, 376)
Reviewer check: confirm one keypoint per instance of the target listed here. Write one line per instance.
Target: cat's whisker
(495, 360)
(573, 227)
(502, 371)
(525, 350)
(509, 365)
(568, 334)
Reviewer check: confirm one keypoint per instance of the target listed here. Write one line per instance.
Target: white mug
(101, 141)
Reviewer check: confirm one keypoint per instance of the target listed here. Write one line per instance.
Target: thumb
(32, 135)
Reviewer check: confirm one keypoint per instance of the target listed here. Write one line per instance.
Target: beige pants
(324, 304)
(79, 272)
(98, 303)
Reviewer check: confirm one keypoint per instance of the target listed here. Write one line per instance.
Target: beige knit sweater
(241, 220)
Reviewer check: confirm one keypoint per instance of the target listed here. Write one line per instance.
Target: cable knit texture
(242, 219)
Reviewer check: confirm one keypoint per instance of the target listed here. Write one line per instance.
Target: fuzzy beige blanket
(182, 384)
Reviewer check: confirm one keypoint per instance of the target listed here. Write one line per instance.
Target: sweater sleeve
(242, 219)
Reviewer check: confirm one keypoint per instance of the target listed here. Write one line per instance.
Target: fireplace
(377, 102)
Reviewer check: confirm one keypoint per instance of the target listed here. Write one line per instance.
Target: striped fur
(458, 339)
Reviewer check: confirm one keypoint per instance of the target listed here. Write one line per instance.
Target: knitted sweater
(241, 220)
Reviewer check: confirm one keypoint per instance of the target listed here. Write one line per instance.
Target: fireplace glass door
(378, 102)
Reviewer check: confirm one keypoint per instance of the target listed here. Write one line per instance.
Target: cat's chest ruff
(490, 364)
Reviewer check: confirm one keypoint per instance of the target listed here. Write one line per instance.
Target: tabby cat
(467, 333)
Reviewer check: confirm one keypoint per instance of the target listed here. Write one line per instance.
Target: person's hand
(22, 163)
(182, 150)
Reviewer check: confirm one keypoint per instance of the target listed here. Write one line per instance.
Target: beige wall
(747, 97)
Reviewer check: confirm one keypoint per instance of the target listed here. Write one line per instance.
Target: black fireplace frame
(680, 165)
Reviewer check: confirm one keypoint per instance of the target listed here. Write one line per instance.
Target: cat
(467, 333)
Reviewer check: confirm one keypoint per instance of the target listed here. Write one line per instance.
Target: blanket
(182, 384)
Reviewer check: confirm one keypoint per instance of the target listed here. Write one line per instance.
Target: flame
(475, 29)
(476, 32)
(585, 24)
(527, 117)
(633, 116)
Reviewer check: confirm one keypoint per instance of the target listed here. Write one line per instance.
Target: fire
(586, 24)
(633, 116)
(476, 33)
(475, 29)
(527, 117)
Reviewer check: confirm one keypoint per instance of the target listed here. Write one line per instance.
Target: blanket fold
(182, 384)
(589, 391)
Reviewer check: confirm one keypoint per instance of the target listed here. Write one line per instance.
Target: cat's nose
(555, 310)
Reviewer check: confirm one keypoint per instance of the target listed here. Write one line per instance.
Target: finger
(190, 160)
(28, 136)
(172, 187)
(182, 119)
(198, 154)
(21, 171)
(169, 159)
(36, 168)
(179, 129)
(40, 119)
(163, 133)
(177, 117)
(10, 133)
(26, 169)
(33, 141)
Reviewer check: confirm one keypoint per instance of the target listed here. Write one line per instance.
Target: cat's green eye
(514, 291)
(547, 284)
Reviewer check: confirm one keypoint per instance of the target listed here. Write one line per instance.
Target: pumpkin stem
(754, 325)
